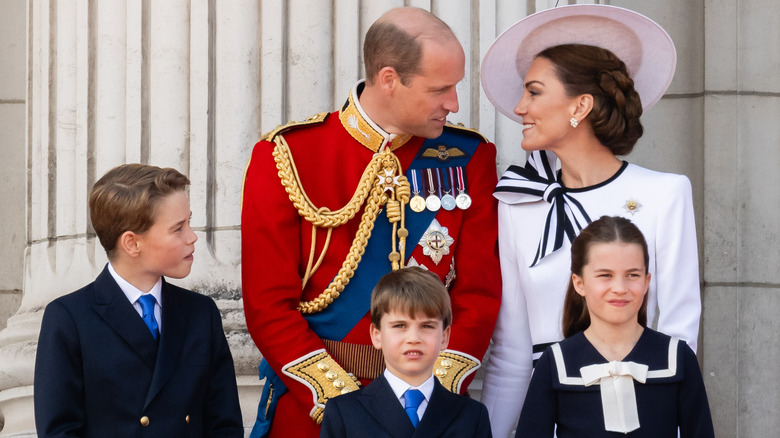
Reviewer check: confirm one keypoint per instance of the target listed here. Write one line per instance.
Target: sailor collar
(362, 128)
(615, 380)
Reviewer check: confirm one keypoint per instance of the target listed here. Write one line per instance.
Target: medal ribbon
(461, 180)
(430, 189)
(448, 182)
(438, 179)
(414, 181)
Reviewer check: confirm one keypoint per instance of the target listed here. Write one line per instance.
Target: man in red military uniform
(333, 203)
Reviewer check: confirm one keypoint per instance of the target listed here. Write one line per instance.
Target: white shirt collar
(399, 387)
(133, 293)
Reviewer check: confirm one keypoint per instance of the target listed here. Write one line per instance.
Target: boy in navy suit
(410, 323)
(131, 355)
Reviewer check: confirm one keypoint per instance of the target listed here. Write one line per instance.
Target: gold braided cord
(321, 217)
(311, 267)
(371, 190)
(349, 266)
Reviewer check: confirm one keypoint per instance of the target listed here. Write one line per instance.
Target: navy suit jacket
(375, 412)
(99, 372)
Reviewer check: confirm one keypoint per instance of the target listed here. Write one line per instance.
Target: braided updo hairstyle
(585, 69)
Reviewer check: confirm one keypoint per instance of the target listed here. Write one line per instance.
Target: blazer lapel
(442, 410)
(380, 402)
(119, 314)
(172, 338)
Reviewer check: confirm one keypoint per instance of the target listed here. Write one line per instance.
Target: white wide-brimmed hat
(643, 45)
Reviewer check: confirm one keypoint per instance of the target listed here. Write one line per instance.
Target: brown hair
(125, 198)
(606, 229)
(411, 290)
(585, 69)
(389, 45)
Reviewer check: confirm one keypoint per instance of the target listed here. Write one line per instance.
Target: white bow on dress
(618, 399)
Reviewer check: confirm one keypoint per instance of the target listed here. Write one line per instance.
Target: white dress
(659, 204)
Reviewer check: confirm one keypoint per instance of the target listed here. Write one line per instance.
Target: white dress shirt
(133, 293)
(399, 387)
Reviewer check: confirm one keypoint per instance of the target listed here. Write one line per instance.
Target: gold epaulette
(317, 118)
(452, 367)
(324, 377)
(467, 131)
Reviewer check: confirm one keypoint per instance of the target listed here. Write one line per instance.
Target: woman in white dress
(578, 78)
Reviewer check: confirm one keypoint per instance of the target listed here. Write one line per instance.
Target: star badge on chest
(436, 241)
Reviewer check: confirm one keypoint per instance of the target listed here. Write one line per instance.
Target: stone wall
(87, 85)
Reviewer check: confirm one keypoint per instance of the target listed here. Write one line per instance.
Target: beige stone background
(87, 84)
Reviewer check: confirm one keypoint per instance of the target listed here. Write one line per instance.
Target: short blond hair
(126, 197)
(411, 290)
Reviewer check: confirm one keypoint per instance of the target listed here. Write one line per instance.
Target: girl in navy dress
(611, 375)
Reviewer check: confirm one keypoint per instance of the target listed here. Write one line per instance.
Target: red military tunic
(330, 157)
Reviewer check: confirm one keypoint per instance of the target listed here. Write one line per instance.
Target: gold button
(446, 363)
(144, 421)
(345, 390)
(322, 366)
(440, 373)
(339, 384)
(331, 375)
(187, 419)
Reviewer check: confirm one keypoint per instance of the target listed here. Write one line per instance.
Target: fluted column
(189, 84)
(133, 81)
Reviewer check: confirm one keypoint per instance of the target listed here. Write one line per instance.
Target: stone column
(120, 82)
(193, 83)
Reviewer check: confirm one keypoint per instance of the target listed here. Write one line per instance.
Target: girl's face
(613, 283)
(545, 107)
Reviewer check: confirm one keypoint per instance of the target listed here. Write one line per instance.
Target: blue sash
(354, 302)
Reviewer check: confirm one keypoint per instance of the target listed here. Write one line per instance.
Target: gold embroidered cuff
(452, 367)
(324, 377)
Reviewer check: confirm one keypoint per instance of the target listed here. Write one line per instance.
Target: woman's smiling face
(545, 107)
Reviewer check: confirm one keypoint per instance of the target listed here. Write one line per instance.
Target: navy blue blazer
(99, 372)
(375, 412)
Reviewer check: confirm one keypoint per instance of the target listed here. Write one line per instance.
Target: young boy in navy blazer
(410, 323)
(131, 355)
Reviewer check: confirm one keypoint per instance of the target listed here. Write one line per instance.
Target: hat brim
(643, 45)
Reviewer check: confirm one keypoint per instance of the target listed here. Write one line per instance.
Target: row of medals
(433, 202)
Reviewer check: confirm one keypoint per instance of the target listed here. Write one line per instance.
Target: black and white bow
(537, 181)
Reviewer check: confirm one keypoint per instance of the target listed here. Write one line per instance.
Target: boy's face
(410, 345)
(166, 248)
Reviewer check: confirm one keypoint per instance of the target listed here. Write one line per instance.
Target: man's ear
(387, 79)
(129, 243)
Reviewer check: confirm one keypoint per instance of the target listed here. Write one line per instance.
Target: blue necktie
(412, 400)
(147, 306)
